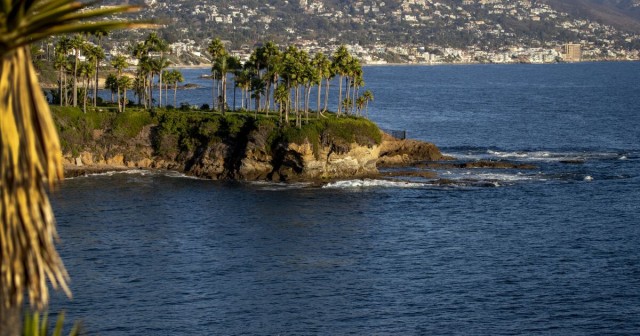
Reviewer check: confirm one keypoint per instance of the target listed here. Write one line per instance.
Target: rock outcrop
(395, 152)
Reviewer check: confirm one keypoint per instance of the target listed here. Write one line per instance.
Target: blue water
(548, 251)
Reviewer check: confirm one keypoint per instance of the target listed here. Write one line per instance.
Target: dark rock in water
(476, 164)
(190, 86)
(497, 165)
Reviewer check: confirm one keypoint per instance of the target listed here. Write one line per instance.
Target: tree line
(272, 79)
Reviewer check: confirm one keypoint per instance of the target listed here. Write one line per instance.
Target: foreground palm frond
(36, 324)
(30, 156)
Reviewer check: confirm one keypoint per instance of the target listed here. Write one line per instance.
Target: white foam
(508, 154)
(551, 156)
(588, 178)
(370, 183)
(113, 172)
(276, 186)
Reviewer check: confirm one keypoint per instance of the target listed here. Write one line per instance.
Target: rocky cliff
(253, 151)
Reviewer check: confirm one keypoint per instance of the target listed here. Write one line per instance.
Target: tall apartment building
(572, 52)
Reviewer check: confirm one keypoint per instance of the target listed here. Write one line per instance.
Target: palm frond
(30, 155)
(30, 158)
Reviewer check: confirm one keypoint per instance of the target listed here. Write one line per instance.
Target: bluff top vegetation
(273, 80)
(176, 132)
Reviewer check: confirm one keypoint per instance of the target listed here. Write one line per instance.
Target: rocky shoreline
(407, 158)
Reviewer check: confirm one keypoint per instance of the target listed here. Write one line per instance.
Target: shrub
(129, 124)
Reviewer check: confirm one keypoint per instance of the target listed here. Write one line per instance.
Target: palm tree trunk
(319, 93)
(355, 95)
(340, 96)
(326, 95)
(151, 91)
(298, 122)
(118, 97)
(267, 104)
(306, 104)
(224, 94)
(213, 92)
(85, 83)
(124, 100)
(234, 95)
(60, 84)
(348, 95)
(160, 87)
(175, 93)
(75, 80)
(95, 88)
(366, 108)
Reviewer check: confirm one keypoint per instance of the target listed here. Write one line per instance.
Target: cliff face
(290, 162)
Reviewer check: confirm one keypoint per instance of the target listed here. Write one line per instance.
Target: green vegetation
(176, 131)
(338, 132)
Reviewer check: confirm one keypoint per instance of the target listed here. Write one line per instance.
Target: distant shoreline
(207, 66)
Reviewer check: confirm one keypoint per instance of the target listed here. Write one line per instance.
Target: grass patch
(340, 131)
(129, 124)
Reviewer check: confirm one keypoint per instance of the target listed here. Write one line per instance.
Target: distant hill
(622, 14)
(397, 25)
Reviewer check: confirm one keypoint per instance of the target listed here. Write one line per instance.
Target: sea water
(550, 250)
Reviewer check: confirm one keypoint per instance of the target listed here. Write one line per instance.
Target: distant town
(391, 31)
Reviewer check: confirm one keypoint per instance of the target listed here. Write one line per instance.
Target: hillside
(622, 14)
(478, 24)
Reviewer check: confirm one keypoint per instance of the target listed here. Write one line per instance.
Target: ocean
(545, 251)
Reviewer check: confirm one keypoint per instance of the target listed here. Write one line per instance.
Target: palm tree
(340, 65)
(119, 63)
(271, 56)
(368, 96)
(217, 51)
(356, 78)
(76, 43)
(31, 157)
(145, 76)
(321, 64)
(175, 77)
(281, 97)
(158, 65)
(292, 75)
(95, 54)
(258, 88)
(360, 104)
(85, 70)
(243, 82)
(222, 66)
(111, 83)
(235, 67)
(62, 49)
(124, 83)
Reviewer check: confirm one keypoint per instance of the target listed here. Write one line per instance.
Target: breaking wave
(372, 183)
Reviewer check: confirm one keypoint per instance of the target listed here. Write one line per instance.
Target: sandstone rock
(116, 160)
(394, 152)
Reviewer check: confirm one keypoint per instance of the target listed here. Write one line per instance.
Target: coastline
(207, 66)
